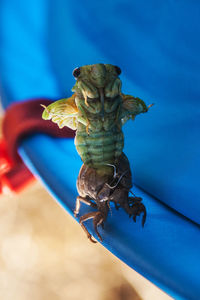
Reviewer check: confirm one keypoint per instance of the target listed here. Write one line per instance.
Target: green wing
(63, 112)
(131, 107)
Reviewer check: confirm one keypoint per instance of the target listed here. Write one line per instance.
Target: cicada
(97, 111)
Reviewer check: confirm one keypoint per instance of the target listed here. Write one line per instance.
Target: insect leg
(85, 218)
(134, 207)
(84, 120)
(137, 208)
(98, 220)
(87, 201)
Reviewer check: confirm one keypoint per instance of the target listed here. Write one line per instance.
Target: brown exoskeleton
(95, 191)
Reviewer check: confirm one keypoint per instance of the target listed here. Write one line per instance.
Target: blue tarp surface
(156, 44)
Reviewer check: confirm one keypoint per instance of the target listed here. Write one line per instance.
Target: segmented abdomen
(99, 148)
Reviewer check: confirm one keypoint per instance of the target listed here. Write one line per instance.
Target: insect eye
(76, 72)
(118, 70)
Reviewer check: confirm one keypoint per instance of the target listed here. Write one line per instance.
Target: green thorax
(99, 141)
(97, 110)
(99, 138)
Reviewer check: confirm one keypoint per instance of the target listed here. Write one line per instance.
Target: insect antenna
(115, 169)
(118, 181)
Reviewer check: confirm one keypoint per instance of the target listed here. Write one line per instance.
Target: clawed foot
(133, 206)
(136, 208)
(98, 219)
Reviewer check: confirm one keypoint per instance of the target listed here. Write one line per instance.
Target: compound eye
(76, 72)
(118, 70)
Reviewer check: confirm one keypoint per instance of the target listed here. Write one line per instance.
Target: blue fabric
(166, 250)
(156, 44)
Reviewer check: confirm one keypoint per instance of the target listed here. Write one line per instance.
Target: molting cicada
(97, 111)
